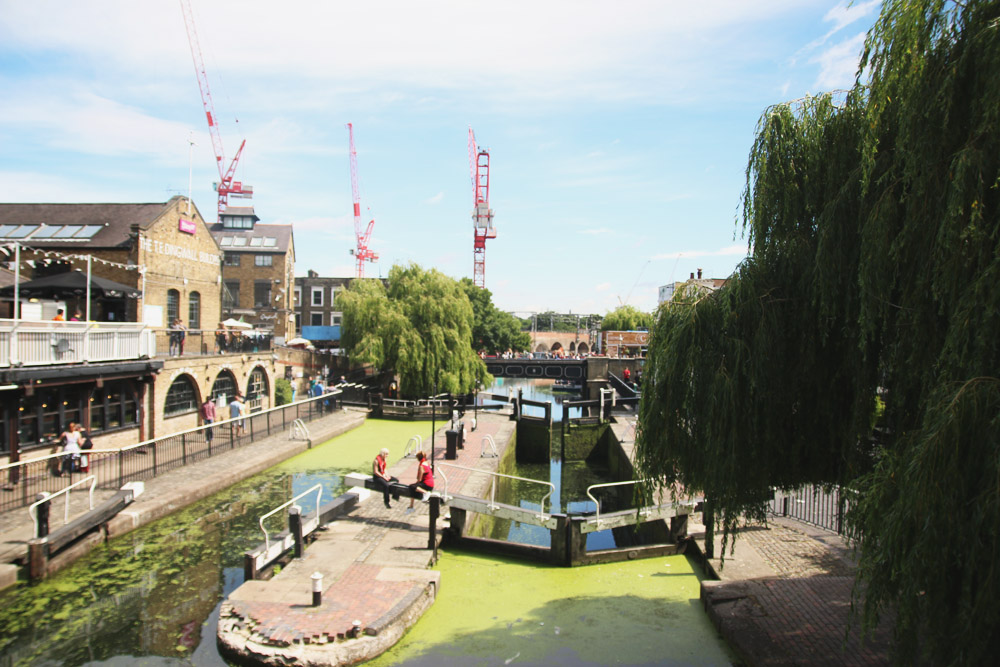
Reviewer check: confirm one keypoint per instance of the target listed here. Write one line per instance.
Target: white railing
(29, 343)
(319, 495)
(48, 498)
(488, 440)
(642, 511)
(299, 431)
(413, 446)
(493, 484)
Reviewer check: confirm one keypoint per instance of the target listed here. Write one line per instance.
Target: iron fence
(815, 505)
(145, 460)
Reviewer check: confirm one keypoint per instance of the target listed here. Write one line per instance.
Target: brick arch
(258, 396)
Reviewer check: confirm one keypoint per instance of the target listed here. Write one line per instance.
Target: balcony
(47, 343)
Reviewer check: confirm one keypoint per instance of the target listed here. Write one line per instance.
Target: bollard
(317, 581)
(295, 526)
(43, 515)
(356, 629)
(432, 532)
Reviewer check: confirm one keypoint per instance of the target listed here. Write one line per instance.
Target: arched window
(224, 387)
(257, 389)
(182, 397)
(173, 305)
(194, 310)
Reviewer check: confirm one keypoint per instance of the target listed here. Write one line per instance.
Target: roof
(260, 239)
(240, 210)
(63, 225)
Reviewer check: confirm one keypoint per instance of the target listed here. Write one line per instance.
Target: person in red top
(381, 477)
(425, 477)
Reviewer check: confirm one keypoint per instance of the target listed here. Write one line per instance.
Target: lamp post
(433, 420)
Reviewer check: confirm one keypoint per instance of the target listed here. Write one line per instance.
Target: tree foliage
(627, 318)
(420, 326)
(493, 331)
(874, 223)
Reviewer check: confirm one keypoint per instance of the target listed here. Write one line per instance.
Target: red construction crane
(482, 215)
(226, 185)
(361, 253)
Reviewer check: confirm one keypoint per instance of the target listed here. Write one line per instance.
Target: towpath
(374, 565)
(783, 595)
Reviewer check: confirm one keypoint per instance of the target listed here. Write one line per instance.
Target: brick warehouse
(166, 254)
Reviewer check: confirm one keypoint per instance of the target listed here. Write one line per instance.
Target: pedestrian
(60, 316)
(235, 411)
(220, 339)
(627, 374)
(86, 445)
(381, 477)
(71, 448)
(177, 337)
(208, 417)
(425, 477)
(77, 316)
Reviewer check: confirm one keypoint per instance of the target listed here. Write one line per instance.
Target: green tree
(874, 223)
(420, 326)
(282, 391)
(627, 318)
(493, 331)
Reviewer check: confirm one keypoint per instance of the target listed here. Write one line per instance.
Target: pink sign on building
(187, 226)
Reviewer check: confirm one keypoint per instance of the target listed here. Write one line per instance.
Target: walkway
(374, 564)
(168, 492)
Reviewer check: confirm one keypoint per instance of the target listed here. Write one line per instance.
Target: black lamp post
(433, 420)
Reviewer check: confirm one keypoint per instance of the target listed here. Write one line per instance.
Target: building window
(256, 389)
(335, 319)
(232, 259)
(261, 293)
(263, 260)
(194, 310)
(224, 388)
(181, 397)
(113, 406)
(298, 297)
(231, 294)
(316, 319)
(317, 296)
(173, 305)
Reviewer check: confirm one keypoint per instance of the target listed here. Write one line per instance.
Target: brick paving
(374, 564)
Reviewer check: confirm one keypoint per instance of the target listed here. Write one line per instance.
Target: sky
(618, 132)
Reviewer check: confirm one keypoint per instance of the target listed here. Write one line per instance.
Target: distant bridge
(551, 369)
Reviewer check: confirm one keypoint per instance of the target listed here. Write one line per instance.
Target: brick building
(258, 271)
(318, 316)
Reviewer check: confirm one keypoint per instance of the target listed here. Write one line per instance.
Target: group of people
(61, 316)
(76, 444)
(178, 332)
(237, 410)
(425, 478)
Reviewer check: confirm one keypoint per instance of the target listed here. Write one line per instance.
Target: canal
(152, 597)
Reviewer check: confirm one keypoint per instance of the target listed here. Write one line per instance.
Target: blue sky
(618, 131)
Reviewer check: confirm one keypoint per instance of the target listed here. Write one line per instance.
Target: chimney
(699, 274)
(692, 275)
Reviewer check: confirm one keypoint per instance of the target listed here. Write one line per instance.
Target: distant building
(258, 269)
(317, 314)
(697, 283)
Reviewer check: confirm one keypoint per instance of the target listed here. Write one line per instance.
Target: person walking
(235, 411)
(208, 417)
(71, 448)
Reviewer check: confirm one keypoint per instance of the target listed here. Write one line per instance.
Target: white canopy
(236, 324)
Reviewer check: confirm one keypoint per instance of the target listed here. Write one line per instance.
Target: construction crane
(362, 253)
(226, 184)
(482, 215)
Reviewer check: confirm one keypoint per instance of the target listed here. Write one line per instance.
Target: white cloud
(728, 251)
(602, 287)
(839, 63)
(436, 199)
(846, 13)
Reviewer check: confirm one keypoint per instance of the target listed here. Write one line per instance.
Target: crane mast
(226, 184)
(482, 214)
(362, 253)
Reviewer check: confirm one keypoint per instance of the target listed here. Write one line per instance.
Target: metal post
(43, 515)
(432, 531)
(295, 526)
(708, 516)
(433, 422)
(317, 586)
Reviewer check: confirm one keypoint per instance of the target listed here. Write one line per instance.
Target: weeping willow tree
(874, 225)
(420, 327)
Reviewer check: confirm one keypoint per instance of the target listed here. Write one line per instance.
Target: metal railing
(610, 484)
(171, 342)
(813, 505)
(299, 431)
(148, 459)
(319, 495)
(48, 499)
(31, 343)
(488, 440)
(493, 484)
(413, 445)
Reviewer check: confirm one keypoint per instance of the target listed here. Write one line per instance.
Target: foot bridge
(568, 531)
(551, 369)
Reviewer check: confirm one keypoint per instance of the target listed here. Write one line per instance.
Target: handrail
(319, 494)
(488, 439)
(493, 485)
(607, 484)
(299, 429)
(49, 496)
(417, 441)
